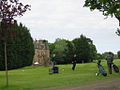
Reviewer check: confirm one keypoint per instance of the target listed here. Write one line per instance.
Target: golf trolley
(101, 69)
(53, 70)
(115, 68)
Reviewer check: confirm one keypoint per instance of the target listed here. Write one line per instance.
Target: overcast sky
(68, 19)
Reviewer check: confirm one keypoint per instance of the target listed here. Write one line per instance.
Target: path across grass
(37, 77)
(107, 85)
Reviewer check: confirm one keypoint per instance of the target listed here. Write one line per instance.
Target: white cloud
(51, 19)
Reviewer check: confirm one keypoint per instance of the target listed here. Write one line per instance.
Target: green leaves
(64, 49)
(118, 32)
(108, 7)
(84, 48)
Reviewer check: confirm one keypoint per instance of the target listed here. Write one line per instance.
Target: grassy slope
(35, 78)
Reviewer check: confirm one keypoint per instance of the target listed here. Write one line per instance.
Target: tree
(118, 53)
(20, 51)
(84, 49)
(9, 9)
(93, 52)
(99, 56)
(70, 51)
(59, 50)
(64, 50)
(108, 7)
(51, 48)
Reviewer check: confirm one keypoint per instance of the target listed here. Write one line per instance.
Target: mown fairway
(37, 77)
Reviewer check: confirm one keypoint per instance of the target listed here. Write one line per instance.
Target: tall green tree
(59, 50)
(51, 48)
(84, 49)
(99, 56)
(9, 9)
(64, 50)
(20, 48)
(93, 50)
(118, 54)
(69, 51)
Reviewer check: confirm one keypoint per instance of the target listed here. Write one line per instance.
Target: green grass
(37, 77)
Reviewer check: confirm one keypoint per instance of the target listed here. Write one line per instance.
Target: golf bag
(115, 68)
(101, 69)
(53, 70)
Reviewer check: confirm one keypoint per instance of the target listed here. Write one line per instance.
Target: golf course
(37, 77)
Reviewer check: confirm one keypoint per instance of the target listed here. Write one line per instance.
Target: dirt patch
(109, 85)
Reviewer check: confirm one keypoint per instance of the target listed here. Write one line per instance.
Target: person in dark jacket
(109, 59)
(74, 60)
(53, 59)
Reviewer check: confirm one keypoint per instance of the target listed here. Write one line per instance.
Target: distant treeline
(82, 46)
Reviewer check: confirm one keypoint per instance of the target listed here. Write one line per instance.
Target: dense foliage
(9, 9)
(99, 56)
(59, 48)
(20, 48)
(64, 49)
(70, 51)
(118, 54)
(84, 49)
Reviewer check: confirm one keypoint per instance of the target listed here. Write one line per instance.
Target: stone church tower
(42, 53)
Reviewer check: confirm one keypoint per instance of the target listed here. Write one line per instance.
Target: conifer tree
(20, 49)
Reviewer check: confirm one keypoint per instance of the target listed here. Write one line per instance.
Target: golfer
(74, 60)
(109, 59)
(53, 59)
